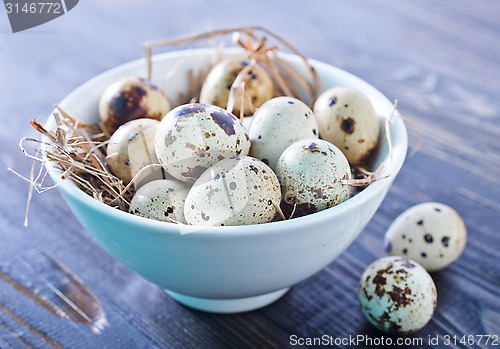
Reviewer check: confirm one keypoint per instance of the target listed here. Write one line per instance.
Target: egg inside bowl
(230, 268)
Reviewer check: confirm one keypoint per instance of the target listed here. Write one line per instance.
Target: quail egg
(347, 119)
(193, 137)
(234, 191)
(312, 172)
(217, 85)
(125, 138)
(278, 123)
(131, 98)
(397, 295)
(161, 199)
(141, 154)
(431, 233)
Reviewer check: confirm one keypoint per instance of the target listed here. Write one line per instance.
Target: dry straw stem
(76, 148)
(280, 212)
(282, 73)
(370, 176)
(129, 186)
(30, 193)
(238, 84)
(293, 211)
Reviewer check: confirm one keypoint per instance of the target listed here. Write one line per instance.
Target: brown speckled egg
(193, 137)
(117, 153)
(432, 234)
(278, 123)
(162, 199)
(131, 98)
(215, 89)
(397, 295)
(311, 172)
(347, 119)
(235, 191)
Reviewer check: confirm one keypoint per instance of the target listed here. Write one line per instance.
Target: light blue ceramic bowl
(227, 269)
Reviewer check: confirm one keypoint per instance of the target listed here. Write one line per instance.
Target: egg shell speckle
(117, 152)
(217, 85)
(347, 119)
(431, 233)
(193, 137)
(397, 295)
(131, 98)
(277, 124)
(311, 173)
(162, 199)
(235, 191)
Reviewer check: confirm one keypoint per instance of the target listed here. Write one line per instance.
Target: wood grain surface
(440, 59)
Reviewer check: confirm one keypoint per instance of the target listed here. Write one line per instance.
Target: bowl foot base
(227, 306)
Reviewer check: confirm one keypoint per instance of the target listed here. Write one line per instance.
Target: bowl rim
(163, 227)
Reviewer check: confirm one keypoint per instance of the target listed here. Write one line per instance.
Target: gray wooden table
(440, 59)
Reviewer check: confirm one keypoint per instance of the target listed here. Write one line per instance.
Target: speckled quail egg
(347, 119)
(217, 85)
(432, 234)
(278, 123)
(193, 137)
(161, 199)
(141, 154)
(131, 98)
(311, 172)
(118, 157)
(397, 295)
(235, 191)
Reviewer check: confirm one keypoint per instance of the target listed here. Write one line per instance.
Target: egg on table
(259, 86)
(193, 137)
(278, 123)
(235, 191)
(161, 199)
(312, 174)
(431, 233)
(131, 98)
(397, 295)
(347, 119)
